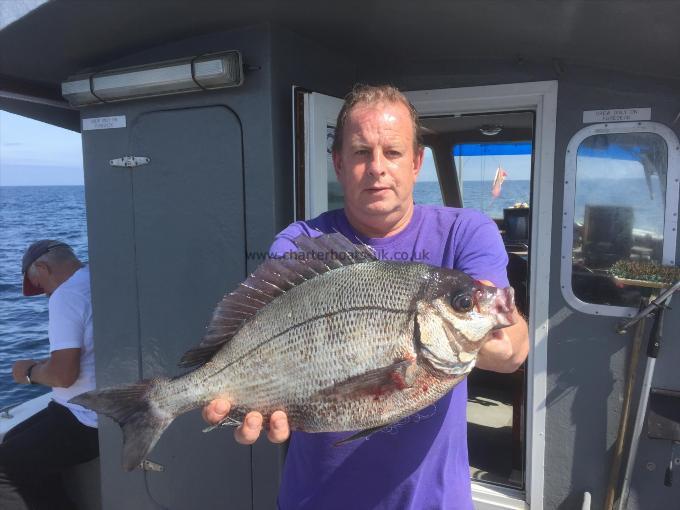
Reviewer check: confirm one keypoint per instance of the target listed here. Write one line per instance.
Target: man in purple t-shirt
(422, 461)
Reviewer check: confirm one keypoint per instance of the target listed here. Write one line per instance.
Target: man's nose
(376, 165)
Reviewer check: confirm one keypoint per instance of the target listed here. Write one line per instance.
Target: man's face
(377, 165)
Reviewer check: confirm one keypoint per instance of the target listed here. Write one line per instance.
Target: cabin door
(484, 147)
(188, 223)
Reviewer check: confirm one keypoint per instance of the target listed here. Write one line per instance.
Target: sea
(29, 213)
(58, 212)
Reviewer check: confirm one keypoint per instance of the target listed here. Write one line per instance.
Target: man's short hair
(49, 251)
(373, 94)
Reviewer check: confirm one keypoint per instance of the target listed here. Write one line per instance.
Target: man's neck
(380, 226)
(62, 274)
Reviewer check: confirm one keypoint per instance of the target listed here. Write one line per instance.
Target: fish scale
(338, 341)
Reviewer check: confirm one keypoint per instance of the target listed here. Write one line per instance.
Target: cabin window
(496, 179)
(620, 204)
(427, 189)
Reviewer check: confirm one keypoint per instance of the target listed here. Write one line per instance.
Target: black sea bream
(335, 338)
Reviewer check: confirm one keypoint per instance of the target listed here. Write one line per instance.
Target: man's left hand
(506, 349)
(20, 368)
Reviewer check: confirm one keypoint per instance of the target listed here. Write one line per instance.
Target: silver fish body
(346, 346)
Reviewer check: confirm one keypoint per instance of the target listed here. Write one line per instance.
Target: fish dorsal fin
(274, 277)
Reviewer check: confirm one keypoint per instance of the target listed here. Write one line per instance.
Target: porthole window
(620, 203)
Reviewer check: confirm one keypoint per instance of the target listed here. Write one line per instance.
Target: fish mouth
(503, 307)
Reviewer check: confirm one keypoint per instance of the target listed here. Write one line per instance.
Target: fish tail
(140, 417)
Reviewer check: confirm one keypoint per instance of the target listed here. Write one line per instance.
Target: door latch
(148, 465)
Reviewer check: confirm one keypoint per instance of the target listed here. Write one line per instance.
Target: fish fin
(376, 382)
(142, 422)
(271, 279)
(360, 434)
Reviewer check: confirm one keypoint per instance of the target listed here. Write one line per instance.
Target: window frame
(670, 213)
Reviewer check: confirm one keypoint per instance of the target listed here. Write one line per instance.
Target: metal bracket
(148, 465)
(129, 161)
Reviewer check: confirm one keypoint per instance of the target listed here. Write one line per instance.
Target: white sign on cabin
(104, 123)
(617, 115)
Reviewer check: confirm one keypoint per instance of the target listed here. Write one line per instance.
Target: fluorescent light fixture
(206, 72)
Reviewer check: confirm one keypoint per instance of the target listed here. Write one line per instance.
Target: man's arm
(60, 370)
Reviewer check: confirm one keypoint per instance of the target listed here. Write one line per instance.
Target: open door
(320, 188)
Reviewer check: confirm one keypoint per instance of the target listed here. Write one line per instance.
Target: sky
(33, 153)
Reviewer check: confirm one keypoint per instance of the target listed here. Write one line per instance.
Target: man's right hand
(249, 430)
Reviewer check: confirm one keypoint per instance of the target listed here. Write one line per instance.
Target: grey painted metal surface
(190, 245)
(169, 242)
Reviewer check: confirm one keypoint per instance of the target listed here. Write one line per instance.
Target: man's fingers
(249, 431)
(216, 411)
(278, 427)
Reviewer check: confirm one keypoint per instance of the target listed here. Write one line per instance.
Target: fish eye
(462, 302)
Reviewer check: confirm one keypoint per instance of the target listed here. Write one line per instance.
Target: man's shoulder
(453, 216)
(78, 285)
(324, 223)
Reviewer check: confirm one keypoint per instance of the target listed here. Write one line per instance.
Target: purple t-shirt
(421, 462)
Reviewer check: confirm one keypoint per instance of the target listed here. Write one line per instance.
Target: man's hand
(250, 430)
(506, 349)
(20, 368)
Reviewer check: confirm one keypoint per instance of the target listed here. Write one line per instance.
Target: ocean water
(477, 195)
(26, 215)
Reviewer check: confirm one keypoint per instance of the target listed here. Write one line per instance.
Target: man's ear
(42, 265)
(337, 163)
(418, 159)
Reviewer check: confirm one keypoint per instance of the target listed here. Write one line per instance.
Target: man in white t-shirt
(35, 453)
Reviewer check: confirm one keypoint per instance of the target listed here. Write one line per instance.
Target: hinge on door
(147, 465)
(130, 161)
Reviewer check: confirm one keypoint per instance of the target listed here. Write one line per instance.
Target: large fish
(337, 339)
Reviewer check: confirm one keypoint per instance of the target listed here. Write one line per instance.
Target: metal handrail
(649, 309)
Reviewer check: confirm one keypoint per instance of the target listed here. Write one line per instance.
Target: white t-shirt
(70, 309)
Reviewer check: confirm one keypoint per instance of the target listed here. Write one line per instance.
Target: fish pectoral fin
(377, 382)
(360, 434)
